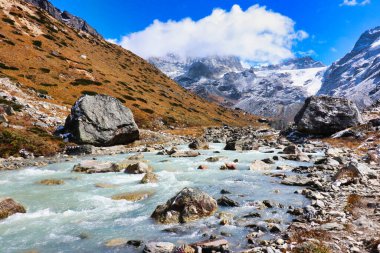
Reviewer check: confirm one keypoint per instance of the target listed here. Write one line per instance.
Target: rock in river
(159, 247)
(188, 205)
(101, 121)
(91, 167)
(138, 168)
(9, 207)
(325, 115)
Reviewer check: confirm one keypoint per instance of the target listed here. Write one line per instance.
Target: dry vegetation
(310, 241)
(51, 58)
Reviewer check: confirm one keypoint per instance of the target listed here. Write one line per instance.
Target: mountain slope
(357, 75)
(59, 64)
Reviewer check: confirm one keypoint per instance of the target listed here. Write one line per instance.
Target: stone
(259, 165)
(117, 242)
(101, 120)
(159, 247)
(324, 115)
(228, 166)
(217, 245)
(51, 182)
(10, 207)
(188, 205)
(80, 150)
(189, 153)
(291, 150)
(133, 196)
(202, 167)
(138, 168)
(226, 201)
(213, 159)
(297, 181)
(136, 157)
(92, 167)
(105, 186)
(199, 144)
(149, 177)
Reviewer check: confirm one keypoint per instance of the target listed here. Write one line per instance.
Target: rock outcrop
(65, 17)
(9, 207)
(324, 115)
(188, 205)
(101, 121)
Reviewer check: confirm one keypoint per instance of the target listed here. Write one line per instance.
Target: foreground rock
(149, 177)
(198, 144)
(138, 168)
(188, 205)
(159, 247)
(101, 121)
(189, 153)
(327, 115)
(92, 167)
(259, 165)
(218, 245)
(9, 207)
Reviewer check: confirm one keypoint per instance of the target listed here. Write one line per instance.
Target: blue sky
(333, 28)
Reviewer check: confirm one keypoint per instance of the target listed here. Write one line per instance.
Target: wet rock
(189, 153)
(285, 167)
(188, 205)
(199, 144)
(202, 167)
(223, 191)
(106, 186)
(133, 196)
(51, 182)
(159, 247)
(138, 168)
(10, 207)
(268, 161)
(252, 215)
(149, 177)
(117, 242)
(101, 120)
(136, 157)
(325, 115)
(259, 165)
(291, 150)
(213, 159)
(228, 166)
(226, 201)
(91, 167)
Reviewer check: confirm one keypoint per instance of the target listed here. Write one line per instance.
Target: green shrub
(37, 43)
(16, 107)
(9, 21)
(90, 93)
(45, 70)
(4, 66)
(85, 82)
(147, 110)
(129, 97)
(49, 37)
(48, 84)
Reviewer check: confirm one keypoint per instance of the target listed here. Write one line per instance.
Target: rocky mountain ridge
(65, 17)
(356, 75)
(272, 91)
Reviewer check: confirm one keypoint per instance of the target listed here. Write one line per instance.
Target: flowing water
(79, 217)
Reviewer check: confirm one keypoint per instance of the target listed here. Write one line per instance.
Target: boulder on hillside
(324, 115)
(9, 207)
(101, 120)
(188, 205)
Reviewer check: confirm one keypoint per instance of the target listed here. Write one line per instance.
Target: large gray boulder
(101, 121)
(188, 205)
(324, 115)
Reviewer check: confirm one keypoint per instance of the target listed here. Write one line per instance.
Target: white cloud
(355, 2)
(113, 41)
(307, 53)
(256, 34)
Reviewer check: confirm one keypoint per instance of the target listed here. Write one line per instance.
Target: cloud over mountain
(256, 34)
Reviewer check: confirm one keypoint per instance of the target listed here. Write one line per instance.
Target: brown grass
(191, 131)
(301, 237)
(353, 201)
(108, 69)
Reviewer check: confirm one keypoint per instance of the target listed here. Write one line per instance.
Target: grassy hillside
(53, 59)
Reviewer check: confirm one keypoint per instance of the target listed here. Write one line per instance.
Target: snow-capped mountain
(274, 91)
(357, 75)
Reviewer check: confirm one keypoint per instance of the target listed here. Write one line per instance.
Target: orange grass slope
(46, 55)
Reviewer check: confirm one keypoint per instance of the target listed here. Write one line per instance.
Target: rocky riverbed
(264, 194)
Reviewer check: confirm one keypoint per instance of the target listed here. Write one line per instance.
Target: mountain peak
(367, 39)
